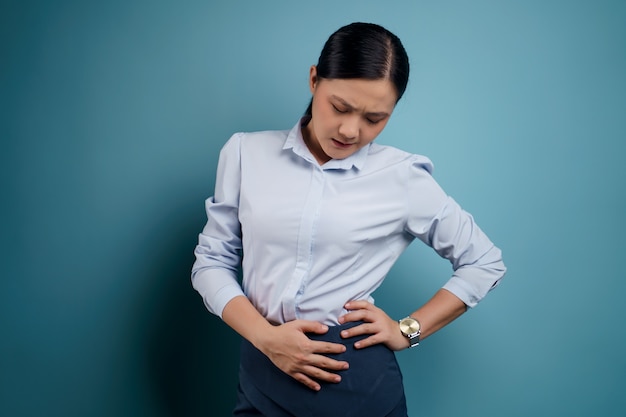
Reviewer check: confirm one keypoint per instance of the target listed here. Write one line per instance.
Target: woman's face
(347, 115)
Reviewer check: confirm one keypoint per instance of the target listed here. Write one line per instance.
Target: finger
(320, 374)
(368, 341)
(358, 304)
(307, 326)
(365, 328)
(324, 362)
(355, 315)
(308, 382)
(327, 347)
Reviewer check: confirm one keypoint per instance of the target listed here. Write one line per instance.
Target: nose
(349, 128)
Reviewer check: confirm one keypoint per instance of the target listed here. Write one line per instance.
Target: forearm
(443, 308)
(243, 317)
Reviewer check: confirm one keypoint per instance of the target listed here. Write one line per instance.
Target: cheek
(327, 122)
(371, 132)
(322, 116)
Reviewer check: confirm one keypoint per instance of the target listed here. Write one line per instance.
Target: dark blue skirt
(372, 386)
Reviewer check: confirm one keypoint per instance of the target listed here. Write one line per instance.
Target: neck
(313, 144)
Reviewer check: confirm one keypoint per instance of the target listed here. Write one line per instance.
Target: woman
(317, 216)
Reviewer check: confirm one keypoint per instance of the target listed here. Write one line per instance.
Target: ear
(312, 78)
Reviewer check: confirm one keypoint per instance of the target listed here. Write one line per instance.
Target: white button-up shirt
(309, 238)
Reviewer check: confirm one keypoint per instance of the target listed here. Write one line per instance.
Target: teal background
(112, 115)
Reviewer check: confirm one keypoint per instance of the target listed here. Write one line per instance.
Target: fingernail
(344, 334)
(357, 345)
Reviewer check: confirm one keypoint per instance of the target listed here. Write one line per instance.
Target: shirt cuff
(217, 287)
(466, 292)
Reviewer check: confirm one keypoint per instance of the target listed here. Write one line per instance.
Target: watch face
(409, 326)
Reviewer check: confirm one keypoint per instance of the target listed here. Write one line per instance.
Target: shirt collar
(295, 142)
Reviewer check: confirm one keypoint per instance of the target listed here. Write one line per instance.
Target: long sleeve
(454, 235)
(219, 250)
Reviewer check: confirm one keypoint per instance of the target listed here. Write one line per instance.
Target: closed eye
(338, 110)
(374, 120)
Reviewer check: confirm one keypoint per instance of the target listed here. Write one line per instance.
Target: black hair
(364, 50)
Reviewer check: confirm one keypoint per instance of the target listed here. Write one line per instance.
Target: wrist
(262, 334)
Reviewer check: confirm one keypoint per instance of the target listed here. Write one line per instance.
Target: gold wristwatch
(410, 328)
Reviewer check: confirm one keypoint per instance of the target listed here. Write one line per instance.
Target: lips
(341, 145)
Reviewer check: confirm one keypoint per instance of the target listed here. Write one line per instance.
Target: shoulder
(382, 156)
(266, 140)
(264, 137)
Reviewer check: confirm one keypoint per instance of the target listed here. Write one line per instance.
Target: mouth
(341, 145)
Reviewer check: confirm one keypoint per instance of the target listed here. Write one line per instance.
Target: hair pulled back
(366, 51)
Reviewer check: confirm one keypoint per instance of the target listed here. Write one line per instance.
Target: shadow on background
(191, 357)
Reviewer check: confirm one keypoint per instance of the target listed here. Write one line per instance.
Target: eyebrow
(380, 114)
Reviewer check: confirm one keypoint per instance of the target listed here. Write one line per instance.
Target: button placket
(306, 239)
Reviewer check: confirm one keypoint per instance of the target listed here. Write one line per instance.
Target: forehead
(370, 95)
